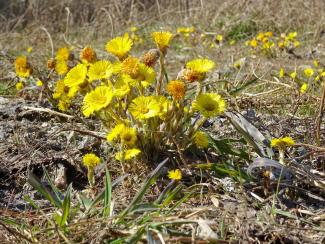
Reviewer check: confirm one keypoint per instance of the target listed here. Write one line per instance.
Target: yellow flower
(163, 105)
(134, 29)
(291, 36)
(64, 104)
(128, 154)
(175, 174)
(88, 55)
(128, 136)
(100, 70)
(316, 63)
(200, 65)
(76, 76)
(293, 75)
(90, 160)
(209, 104)
(185, 30)
(119, 46)
(219, 38)
(282, 143)
(23, 68)
(59, 89)
(130, 66)
(144, 107)
(268, 34)
(115, 133)
(61, 67)
(201, 139)
(29, 49)
(96, 100)
(146, 75)
(281, 73)
(253, 43)
(19, 85)
(39, 83)
(162, 39)
(121, 87)
(176, 89)
(303, 88)
(63, 54)
(309, 72)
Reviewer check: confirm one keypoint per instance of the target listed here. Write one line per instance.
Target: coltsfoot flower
(144, 107)
(120, 46)
(19, 85)
(162, 39)
(63, 54)
(200, 65)
(309, 72)
(100, 70)
(176, 89)
(175, 174)
(209, 104)
(128, 154)
(282, 143)
(96, 100)
(23, 68)
(76, 76)
(88, 55)
(201, 139)
(90, 160)
(150, 57)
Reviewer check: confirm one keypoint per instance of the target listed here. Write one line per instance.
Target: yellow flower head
(175, 174)
(303, 88)
(130, 66)
(128, 154)
(59, 89)
(23, 68)
(176, 89)
(39, 83)
(100, 70)
(253, 43)
(201, 139)
(200, 65)
(146, 75)
(282, 143)
(219, 38)
(61, 67)
(90, 160)
(120, 46)
(63, 54)
(19, 85)
(309, 72)
(115, 133)
(76, 76)
(121, 87)
(162, 39)
(209, 104)
(293, 75)
(88, 55)
(64, 104)
(185, 30)
(281, 73)
(163, 105)
(128, 136)
(29, 49)
(96, 100)
(144, 107)
(150, 57)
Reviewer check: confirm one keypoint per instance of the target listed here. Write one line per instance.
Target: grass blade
(108, 194)
(66, 206)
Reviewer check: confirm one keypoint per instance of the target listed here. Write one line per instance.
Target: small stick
(46, 110)
(320, 116)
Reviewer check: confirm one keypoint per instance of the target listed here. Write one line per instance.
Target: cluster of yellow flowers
(288, 41)
(262, 42)
(143, 114)
(310, 74)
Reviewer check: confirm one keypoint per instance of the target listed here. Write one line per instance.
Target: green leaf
(66, 206)
(151, 179)
(44, 191)
(250, 133)
(108, 194)
(56, 191)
